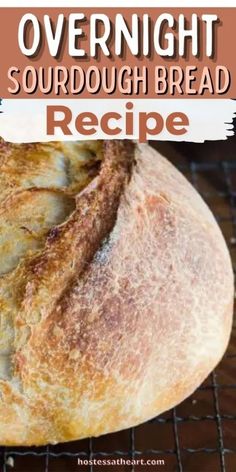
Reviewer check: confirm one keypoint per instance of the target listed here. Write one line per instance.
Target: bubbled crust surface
(135, 332)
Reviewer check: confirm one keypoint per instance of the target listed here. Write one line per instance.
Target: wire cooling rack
(198, 435)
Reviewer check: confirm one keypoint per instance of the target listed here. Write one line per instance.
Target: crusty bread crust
(131, 332)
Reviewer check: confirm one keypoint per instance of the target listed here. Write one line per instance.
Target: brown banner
(134, 76)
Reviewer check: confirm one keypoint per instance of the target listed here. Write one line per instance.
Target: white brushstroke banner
(25, 120)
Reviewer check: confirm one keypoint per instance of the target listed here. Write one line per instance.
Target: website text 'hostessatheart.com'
(121, 462)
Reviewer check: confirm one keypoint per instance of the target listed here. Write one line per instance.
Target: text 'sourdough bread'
(116, 289)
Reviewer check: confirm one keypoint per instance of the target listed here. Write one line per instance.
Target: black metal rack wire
(188, 438)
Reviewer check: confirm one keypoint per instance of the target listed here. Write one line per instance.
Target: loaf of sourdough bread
(116, 289)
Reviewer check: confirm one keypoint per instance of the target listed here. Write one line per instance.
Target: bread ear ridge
(71, 246)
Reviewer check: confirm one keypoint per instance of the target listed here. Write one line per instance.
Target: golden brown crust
(111, 335)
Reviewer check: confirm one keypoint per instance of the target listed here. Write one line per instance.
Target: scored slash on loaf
(116, 289)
